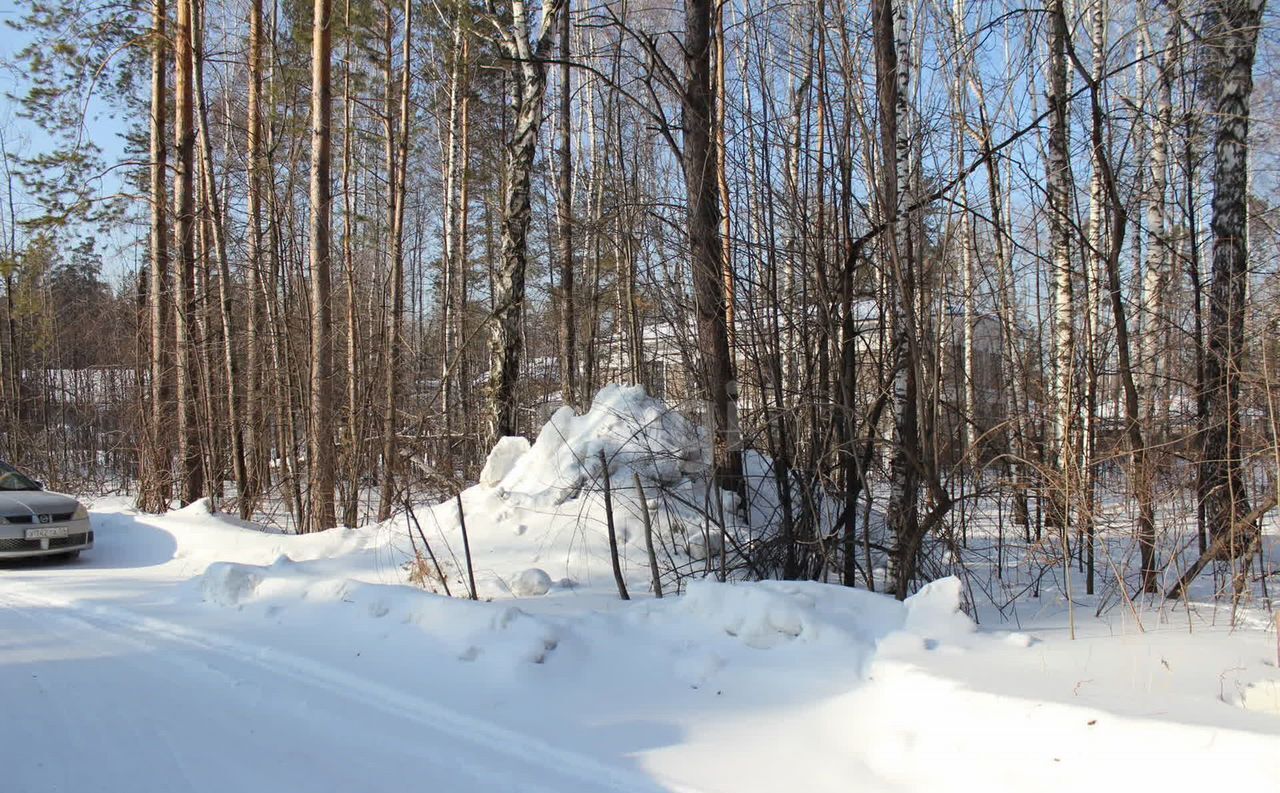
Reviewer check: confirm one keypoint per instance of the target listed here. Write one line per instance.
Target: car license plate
(50, 533)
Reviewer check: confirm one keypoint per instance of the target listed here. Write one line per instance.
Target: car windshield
(11, 479)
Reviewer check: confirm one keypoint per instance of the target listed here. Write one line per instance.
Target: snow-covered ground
(192, 653)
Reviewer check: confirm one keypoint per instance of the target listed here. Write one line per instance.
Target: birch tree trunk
(449, 309)
(564, 215)
(1058, 177)
(1155, 279)
(893, 83)
(1234, 26)
(529, 85)
(1094, 265)
(970, 429)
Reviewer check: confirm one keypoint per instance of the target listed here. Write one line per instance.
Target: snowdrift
(538, 513)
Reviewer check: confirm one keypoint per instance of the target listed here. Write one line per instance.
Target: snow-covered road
(114, 678)
(100, 699)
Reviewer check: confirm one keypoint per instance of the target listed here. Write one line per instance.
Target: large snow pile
(636, 433)
(541, 506)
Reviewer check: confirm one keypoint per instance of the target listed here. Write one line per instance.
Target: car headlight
(82, 513)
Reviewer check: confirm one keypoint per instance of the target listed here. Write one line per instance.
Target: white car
(37, 522)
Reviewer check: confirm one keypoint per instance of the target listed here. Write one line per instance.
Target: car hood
(23, 502)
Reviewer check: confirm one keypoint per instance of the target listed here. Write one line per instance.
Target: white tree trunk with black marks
(1062, 401)
(1233, 33)
(529, 87)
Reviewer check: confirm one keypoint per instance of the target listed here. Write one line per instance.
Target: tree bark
(893, 80)
(257, 445)
(1234, 28)
(156, 489)
(320, 427)
(703, 216)
(529, 85)
(1058, 178)
(189, 461)
(564, 207)
(354, 446)
(390, 453)
(216, 226)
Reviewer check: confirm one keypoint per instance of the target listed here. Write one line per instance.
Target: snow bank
(766, 614)
(464, 629)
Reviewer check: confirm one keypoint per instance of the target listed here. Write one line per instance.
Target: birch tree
(1233, 29)
(527, 69)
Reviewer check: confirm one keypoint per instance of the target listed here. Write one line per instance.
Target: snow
(194, 652)
(531, 583)
(502, 458)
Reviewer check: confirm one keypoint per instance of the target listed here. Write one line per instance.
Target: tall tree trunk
(1155, 278)
(448, 319)
(1094, 263)
(191, 480)
(390, 453)
(217, 226)
(257, 444)
(155, 491)
(1151, 319)
(320, 427)
(460, 370)
(1062, 445)
(529, 85)
(564, 207)
(722, 179)
(970, 428)
(354, 446)
(893, 80)
(1104, 178)
(1234, 30)
(703, 217)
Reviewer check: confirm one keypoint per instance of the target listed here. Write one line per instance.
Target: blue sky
(25, 138)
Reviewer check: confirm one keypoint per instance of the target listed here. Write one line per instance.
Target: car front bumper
(15, 545)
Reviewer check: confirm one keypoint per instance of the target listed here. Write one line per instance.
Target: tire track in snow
(141, 630)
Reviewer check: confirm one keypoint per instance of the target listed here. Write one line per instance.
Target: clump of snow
(1262, 696)
(760, 617)
(502, 458)
(767, 614)
(531, 583)
(935, 611)
(229, 584)
(702, 544)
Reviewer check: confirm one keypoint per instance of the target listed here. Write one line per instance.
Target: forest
(972, 284)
